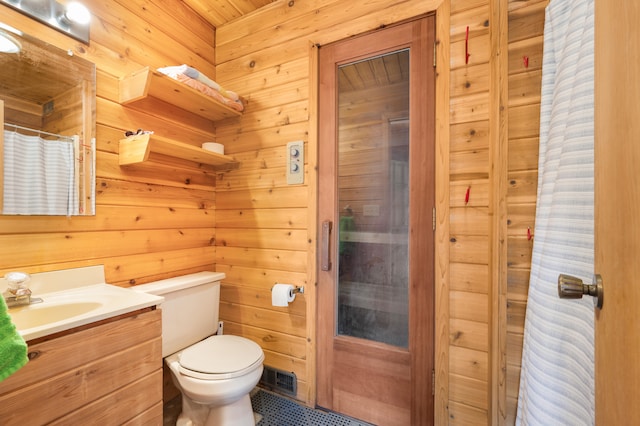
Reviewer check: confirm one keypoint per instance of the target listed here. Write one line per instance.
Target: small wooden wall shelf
(142, 87)
(137, 149)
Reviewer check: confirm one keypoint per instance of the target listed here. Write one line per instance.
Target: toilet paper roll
(282, 294)
(214, 147)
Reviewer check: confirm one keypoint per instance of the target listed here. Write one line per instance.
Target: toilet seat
(220, 357)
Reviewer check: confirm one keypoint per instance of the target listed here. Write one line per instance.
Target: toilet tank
(190, 308)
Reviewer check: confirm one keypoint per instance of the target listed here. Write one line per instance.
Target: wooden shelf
(137, 149)
(142, 87)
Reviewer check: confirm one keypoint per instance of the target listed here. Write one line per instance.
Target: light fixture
(71, 19)
(77, 13)
(8, 44)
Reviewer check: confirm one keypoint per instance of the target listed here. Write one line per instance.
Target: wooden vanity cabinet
(108, 373)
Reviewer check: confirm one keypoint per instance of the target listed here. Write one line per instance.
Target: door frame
(421, 352)
(617, 227)
(442, 11)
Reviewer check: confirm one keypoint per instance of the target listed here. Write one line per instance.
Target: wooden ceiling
(219, 12)
(384, 70)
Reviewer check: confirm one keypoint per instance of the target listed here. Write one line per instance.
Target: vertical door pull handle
(325, 260)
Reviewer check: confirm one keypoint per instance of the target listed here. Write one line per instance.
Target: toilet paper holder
(296, 289)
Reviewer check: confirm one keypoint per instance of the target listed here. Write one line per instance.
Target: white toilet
(215, 375)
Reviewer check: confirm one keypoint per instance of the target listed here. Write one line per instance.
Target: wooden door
(617, 213)
(376, 200)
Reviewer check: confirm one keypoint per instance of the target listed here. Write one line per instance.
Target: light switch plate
(295, 162)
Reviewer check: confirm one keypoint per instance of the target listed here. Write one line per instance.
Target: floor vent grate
(278, 380)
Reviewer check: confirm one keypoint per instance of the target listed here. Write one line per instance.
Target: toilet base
(238, 413)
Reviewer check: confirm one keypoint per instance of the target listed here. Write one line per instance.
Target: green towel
(13, 348)
(347, 224)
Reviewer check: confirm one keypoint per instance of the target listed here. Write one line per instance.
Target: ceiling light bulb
(78, 13)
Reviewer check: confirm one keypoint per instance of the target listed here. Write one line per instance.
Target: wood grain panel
(523, 154)
(518, 283)
(532, 49)
(470, 164)
(284, 239)
(466, 415)
(469, 80)
(59, 247)
(524, 88)
(116, 408)
(265, 78)
(477, 19)
(523, 187)
(519, 252)
(527, 22)
(70, 390)
(469, 136)
(469, 221)
(285, 260)
(458, 6)
(262, 218)
(478, 49)
(469, 391)
(524, 121)
(270, 340)
(478, 193)
(469, 306)
(469, 334)
(469, 277)
(521, 217)
(72, 374)
(264, 318)
(469, 249)
(469, 108)
(337, 21)
(62, 354)
(261, 298)
(526, 26)
(260, 277)
(469, 363)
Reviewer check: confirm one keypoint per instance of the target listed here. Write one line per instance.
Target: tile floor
(274, 410)
(278, 411)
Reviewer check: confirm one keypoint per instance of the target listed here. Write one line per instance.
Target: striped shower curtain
(39, 176)
(557, 376)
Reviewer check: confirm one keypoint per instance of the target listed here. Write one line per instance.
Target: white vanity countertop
(72, 298)
(67, 309)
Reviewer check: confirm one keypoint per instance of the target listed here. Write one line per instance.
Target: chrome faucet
(18, 294)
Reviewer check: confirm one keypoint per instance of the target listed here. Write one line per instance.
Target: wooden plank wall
(173, 218)
(474, 274)
(266, 229)
(152, 222)
(526, 29)
(470, 219)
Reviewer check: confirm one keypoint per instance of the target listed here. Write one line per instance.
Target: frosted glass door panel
(373, 199)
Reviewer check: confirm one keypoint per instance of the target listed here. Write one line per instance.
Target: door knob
(573, 288)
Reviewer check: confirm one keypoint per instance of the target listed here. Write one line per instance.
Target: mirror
(48, 111)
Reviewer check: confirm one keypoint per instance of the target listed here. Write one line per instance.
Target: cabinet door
(73, 370)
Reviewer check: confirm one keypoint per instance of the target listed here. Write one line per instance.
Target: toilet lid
(220, 357)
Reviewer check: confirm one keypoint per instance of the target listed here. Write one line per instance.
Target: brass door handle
(573, 288)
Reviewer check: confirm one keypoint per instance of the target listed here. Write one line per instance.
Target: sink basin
(41, 314)
(65, 309)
